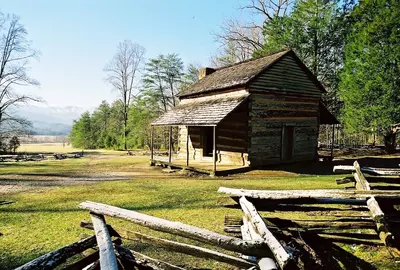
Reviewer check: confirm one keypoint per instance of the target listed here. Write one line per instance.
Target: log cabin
(254, 113)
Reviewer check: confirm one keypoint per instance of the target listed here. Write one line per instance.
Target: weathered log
(83, 262)
(381, 225)
(179, 247)
(244, 229)
(345, 169)
(59, 256)
(293, 205)
(354, 234)
(282, 256)
(345, 180)
(350, 240)
(380, 179)
(341, 214)
(375, 210)
(320, 224)
(93, 266)
(248, 233)
(341, 223)
(318, 195)
(108, 260)
(143, 261)
(234, 229)
(361, 181)
(308, 257)
(178, 228)
(6, 202)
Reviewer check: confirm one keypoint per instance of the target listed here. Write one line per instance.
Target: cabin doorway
(208, 133)
(287, 143)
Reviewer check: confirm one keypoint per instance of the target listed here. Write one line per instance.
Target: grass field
(45, 215)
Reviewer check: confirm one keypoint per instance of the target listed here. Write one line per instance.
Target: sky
(76, 39)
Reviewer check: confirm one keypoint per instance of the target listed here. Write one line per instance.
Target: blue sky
(77, 38)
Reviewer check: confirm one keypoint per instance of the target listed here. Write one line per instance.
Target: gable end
(287, 75)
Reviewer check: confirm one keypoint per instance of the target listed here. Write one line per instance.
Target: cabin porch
(212, 134)
(198, 150)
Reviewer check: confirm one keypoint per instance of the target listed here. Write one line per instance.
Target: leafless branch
(15, 53)
(239, 40)
(121, 73)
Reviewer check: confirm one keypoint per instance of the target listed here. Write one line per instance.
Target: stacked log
(362, 184)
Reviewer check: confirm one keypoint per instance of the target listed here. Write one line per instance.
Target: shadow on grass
(22, 164)
(324, 254)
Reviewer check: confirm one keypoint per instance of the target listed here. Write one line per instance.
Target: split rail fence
(360, 214)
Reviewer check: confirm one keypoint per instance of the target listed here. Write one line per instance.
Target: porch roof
(326, 117)
(201, 112)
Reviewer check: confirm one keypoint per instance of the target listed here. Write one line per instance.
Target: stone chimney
(205, 71)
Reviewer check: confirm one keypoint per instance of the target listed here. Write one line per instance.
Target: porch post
(187, 146)
(214, 150)
(152, 146)
(333, 140)
(170, 144)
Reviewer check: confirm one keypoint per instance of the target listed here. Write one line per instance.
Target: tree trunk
(390, 142)
(125, 130)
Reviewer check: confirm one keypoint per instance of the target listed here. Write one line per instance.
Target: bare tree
(121, 73)
(239, 40)
(269, 8)
(15, 53)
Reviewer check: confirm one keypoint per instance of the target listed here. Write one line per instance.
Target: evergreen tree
(162, 79)
(370, 86)
(99, 127)
(80, 135)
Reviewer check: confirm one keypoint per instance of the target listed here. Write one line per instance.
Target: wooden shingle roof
(241, 74)
(201, 112)
(234, 75)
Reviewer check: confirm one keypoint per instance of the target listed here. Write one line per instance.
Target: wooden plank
(361, 182)
(108, 260)
(177, 228)
(196, 251)
(282, 256)
(59, 256)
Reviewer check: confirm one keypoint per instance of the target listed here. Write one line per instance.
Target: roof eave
(214, 90)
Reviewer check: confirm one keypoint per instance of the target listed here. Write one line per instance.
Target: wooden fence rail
(178, 228)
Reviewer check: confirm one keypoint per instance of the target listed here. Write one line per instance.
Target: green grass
(44, 219)
(58, 148)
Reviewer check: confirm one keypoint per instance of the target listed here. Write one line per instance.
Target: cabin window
(287, 143)
(207, 141)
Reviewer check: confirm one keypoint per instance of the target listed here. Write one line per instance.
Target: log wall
(286, 76)
(283, 96)
(232, 139)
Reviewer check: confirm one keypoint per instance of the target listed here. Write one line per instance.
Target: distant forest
(353, 49)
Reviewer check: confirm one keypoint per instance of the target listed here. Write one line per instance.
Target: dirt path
(20, 176)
